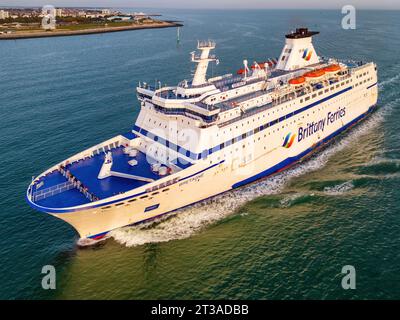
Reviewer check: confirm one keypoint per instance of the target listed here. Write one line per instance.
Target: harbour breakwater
(64, 33)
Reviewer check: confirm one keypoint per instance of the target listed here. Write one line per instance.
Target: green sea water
(286, 237)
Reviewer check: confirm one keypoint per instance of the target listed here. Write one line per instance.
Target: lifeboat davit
(297, 81)
(314, 74)
(261, 64)
(332, 68)
(270, 64)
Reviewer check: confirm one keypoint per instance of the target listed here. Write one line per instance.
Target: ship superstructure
(207, 136)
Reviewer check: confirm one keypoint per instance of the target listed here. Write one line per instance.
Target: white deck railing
(51, 191)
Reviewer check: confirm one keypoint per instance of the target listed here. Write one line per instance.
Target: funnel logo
(289, 139)
(307, 55)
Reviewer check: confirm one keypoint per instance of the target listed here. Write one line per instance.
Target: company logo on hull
(307, 55)
(289, 139)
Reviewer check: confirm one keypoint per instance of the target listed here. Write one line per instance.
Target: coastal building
(106, 12)
(119, 18)
(4, 14)
(140, 15)
(59, 12)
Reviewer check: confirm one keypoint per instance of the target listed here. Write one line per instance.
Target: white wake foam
(191, 220)
(86, 242)
(288, 201)
(339, 189)
(389, 81)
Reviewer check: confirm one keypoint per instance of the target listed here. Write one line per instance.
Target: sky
(210, 4)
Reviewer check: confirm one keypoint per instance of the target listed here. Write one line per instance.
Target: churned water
(285, 237)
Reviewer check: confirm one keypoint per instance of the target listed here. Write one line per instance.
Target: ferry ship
(207, 136)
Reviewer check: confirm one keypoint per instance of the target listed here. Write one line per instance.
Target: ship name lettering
(162, 185)
(316, 126)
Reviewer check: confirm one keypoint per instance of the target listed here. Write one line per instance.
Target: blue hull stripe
(284, 164)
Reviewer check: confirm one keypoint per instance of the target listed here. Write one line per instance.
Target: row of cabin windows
(325, 90)
(361, 82)
(301, 101)
(165, 125)
(362, 75)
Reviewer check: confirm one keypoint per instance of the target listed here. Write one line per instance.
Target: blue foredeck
(51, 179)
(69, 198)
(87, 170)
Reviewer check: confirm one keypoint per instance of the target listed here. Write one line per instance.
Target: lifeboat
(332, 68)
(314, 74)
(297, 81)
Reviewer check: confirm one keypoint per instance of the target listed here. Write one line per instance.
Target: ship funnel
(298, 51)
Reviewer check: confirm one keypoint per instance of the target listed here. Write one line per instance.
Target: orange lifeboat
(315, 74)
(297, 81)
(332, 68)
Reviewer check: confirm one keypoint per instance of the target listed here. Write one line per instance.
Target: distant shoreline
(65, 33)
